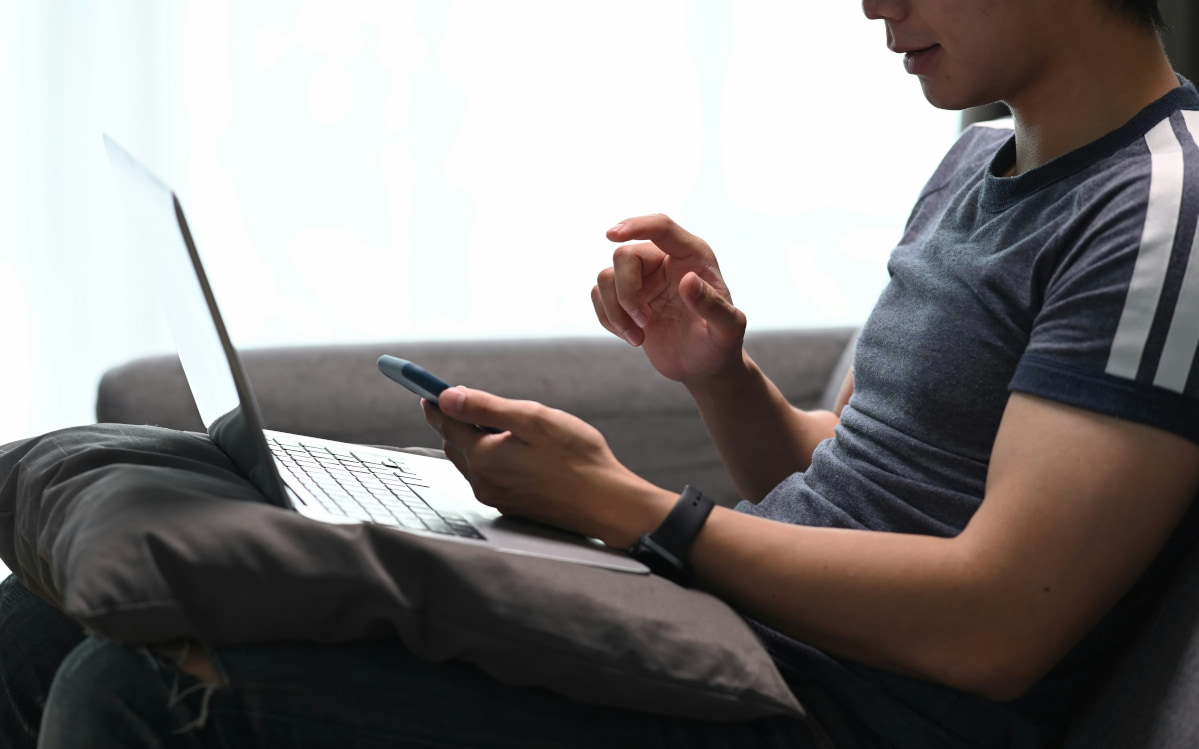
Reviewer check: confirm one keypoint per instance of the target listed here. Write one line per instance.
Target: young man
(950, 560)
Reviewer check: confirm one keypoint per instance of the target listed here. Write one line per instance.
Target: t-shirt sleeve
(1117, 330)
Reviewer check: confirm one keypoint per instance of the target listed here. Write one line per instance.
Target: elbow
(1001, 640)
(1000, 674)
(1002, 686)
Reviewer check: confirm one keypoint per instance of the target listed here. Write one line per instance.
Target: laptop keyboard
(367, 487)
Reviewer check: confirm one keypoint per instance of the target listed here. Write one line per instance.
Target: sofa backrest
(336, 392)
(1150, 698)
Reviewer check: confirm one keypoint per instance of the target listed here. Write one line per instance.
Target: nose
(877, 10)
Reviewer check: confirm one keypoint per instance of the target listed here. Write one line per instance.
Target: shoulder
(1117, 330)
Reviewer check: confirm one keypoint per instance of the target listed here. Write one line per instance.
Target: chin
(942, 97)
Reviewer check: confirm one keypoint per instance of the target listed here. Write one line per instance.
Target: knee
(107, 694)
(36, 638)
(191, 658)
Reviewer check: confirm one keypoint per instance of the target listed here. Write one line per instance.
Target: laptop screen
(214, 372)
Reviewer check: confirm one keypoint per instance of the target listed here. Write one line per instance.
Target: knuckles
(621, 255)
(541, 418)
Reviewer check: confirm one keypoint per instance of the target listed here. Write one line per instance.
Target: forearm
(918, 605)
(1076, 507)
(760, 436)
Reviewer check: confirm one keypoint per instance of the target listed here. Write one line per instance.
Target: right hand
(666, 294)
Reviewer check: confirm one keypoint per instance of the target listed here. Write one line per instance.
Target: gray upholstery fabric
(1151, 697)
(147, 535)
(337, 393)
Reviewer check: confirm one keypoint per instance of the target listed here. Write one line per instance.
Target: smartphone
(419, 380)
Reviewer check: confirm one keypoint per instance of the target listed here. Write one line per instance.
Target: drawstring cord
(176, 696)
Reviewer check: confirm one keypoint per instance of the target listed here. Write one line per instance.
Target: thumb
(485, 410)
(715, 308)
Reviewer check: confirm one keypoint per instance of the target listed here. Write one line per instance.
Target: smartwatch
(665, 550)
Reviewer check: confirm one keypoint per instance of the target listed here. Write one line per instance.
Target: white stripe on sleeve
(1182, 341)
(1153, 258)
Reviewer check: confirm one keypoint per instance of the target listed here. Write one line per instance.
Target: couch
(1150, 697)
(336, 392)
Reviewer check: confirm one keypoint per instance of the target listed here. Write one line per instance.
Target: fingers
(603, 298)
(660, 229)
(463, 436)
(456, 457)
(725, 321)
(638, 274)
(623, 293)
(621, 297)
(636, 278)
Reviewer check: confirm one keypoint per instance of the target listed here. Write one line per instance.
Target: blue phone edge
(419, 380)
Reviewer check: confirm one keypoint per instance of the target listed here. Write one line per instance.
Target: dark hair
(1144, 12)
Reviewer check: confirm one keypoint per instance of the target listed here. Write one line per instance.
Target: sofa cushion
(147, 535)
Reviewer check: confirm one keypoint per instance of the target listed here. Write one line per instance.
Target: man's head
(973, 52)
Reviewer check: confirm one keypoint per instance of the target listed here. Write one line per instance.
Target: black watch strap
(665, 550)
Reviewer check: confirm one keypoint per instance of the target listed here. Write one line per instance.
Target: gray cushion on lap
(146, 535)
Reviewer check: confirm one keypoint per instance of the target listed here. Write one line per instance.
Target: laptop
(332, 482)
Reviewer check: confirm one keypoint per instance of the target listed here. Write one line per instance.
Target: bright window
(361, 170)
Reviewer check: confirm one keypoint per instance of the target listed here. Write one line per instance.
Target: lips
(918, 60)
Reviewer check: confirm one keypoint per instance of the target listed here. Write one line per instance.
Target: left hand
(548, 466)
(667, 295)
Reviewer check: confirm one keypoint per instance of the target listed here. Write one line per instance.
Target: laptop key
(368, 459)
(370, 489)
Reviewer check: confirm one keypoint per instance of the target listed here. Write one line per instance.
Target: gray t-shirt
(1078, 282)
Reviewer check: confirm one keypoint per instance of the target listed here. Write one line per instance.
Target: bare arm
(1077, 505)
(761, 437)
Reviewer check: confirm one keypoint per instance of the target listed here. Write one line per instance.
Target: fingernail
(628, 337)
(618, 227)
(639, 317)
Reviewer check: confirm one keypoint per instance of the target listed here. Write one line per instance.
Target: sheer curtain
(71, 302)
(360, 170)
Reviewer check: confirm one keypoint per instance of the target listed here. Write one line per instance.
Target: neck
(1100, 82)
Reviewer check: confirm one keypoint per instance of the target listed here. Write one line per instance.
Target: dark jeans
(34, 638)
(365, 694)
